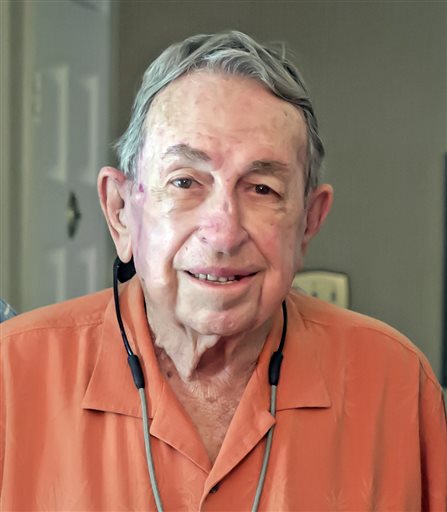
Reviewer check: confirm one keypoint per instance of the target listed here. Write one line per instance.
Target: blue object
(6, 311)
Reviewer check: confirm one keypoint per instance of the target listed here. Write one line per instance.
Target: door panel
(64, 238)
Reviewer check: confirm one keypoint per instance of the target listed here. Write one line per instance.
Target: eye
(182, 182)
(263, 189)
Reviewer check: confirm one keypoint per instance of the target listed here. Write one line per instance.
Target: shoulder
(57, 345)
(72, 314)
(367, 340)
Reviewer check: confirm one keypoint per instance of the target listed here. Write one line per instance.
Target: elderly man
(214, 206)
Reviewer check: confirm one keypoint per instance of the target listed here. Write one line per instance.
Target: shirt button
(214, 489)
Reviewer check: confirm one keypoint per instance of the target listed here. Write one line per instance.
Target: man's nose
(221, 225)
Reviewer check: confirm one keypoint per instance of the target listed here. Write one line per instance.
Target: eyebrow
(268, 167)
(186, 151)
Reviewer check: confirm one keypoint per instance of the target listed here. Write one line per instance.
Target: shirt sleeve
(433, 443)
(2, 419)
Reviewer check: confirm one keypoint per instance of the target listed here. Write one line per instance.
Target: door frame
(16, 104)
(5, 154)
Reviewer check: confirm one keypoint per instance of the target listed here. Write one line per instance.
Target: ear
(319, 204)
(114, 191)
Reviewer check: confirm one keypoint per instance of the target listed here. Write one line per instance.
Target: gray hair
(230, 52)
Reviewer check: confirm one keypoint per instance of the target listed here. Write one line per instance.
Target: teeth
(226, 279)
(210, 277)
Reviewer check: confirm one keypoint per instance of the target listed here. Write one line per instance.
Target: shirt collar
(302, 383)
(111, 386)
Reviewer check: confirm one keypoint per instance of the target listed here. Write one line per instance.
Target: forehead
(223, 109)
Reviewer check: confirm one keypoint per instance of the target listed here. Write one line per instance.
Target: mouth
(219, 280)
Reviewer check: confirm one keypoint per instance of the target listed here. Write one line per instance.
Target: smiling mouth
(218, 279)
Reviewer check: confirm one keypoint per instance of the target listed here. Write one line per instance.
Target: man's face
(217, 214)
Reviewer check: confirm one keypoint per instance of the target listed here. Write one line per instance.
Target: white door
(67, 62)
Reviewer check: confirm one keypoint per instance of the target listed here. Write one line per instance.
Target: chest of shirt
(92, 460)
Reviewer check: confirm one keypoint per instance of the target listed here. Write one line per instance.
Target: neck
(207, 359)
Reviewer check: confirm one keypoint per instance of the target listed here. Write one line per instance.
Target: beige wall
(377, 73)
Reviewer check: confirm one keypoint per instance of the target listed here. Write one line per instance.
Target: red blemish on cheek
(140, 187)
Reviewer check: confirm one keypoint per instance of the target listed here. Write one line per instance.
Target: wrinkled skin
(219, 191)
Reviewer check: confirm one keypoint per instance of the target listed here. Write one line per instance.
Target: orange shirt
(360, 422)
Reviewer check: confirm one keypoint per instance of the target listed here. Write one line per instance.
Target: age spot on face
(138, 193)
